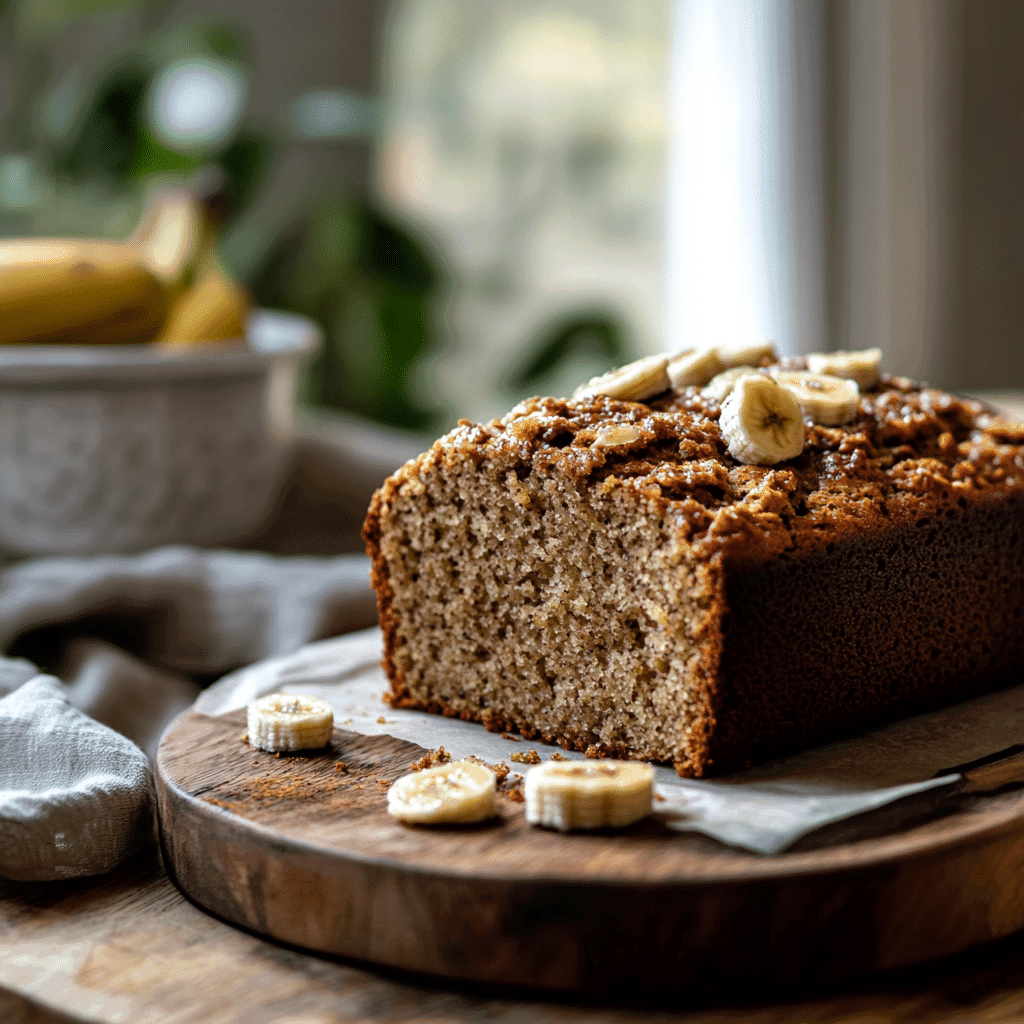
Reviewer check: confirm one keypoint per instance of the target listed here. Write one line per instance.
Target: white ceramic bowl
(122, 448)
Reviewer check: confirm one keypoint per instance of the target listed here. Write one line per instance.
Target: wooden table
(129, 947)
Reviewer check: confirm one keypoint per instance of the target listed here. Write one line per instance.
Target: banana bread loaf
(604, 574)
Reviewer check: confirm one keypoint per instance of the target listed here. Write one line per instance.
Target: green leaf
(152, 157)
(388, 251)
(370, 286)
(595, 330)
(245, 163)
(104, 142)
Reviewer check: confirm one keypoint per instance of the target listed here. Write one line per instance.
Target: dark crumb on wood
(278, 755)
(340, 766)
(431, 759)
(558, 757)
(244, 737)
(509, 736)
(289, 786)
(530, 757)
(383, 783)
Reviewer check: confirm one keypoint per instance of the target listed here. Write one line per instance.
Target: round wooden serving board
(297, 850)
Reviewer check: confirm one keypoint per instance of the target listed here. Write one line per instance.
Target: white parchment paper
(763, 810)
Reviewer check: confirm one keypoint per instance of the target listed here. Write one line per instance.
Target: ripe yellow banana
(215, 308)
(76, 292)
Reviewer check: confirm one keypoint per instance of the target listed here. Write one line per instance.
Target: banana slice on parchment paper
(281, 721)
(569, 795)
(830, 401)
(456, 793)
(761, 422)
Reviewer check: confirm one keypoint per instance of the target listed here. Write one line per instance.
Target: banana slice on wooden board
(633, 382)
(455, 793)
(568, 795)
(861, 366)
(281, 721)
(830, 401)
(761, 422)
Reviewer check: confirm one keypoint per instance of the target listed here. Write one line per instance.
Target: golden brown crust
(909, 448)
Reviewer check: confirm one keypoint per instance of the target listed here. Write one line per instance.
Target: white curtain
(745, 208)
(808, 185)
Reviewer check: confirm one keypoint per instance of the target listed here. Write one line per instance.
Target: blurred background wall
(483, 199)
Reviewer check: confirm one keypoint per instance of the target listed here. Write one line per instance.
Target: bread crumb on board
(529, 757)
(431, 759)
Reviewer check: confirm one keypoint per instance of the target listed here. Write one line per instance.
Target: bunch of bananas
(163, 284)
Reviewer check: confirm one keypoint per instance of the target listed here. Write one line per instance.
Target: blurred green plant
(596, 336)
(167, 102)
(370, 285)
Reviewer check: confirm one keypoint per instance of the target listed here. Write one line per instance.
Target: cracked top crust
(911, 452)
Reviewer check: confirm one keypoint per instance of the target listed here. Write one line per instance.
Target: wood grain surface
(129, 948)
(294, 849)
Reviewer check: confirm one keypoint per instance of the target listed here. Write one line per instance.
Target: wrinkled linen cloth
(76, 792)
(76, 796)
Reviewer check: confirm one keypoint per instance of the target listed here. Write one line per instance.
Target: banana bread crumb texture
(604, 575)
